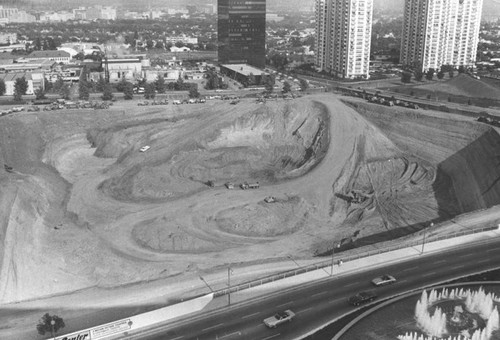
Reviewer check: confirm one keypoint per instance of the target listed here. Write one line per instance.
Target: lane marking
(333, 301)
(304, 310)
(467, 255)
(460, 266)
(225, 336)
(429, 274)
(250, 315)
(211, 327)
(284, 304)
(407, 269)
(318, 294)
(179, 337)
(272, 336)
(492, 250)
(440, 261)
(352, 284)
(401, 281)
(483, 261)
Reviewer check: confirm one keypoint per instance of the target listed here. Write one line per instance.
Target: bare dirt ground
(85, 209)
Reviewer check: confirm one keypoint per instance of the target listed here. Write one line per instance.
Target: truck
(279, 318)
(246, 185)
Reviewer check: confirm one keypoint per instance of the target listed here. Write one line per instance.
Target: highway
(319, 303)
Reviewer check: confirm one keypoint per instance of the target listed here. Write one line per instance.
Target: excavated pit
(94, 211)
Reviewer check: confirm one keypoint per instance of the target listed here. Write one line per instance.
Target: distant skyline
(491, 8)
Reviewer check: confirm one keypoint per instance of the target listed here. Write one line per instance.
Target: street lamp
(52, 324)
(205, 282)
(423, 240)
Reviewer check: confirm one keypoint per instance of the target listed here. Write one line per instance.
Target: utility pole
(229, 271)
(333, 252)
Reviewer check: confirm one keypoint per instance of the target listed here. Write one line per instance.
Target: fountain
(462, 318)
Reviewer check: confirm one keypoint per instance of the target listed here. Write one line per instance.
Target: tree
(65, 91)
(461, 69)
(101, 84)
(107, 92)
(286, 87)
(58, 85)
(269, 83)
(430, 74)
(40, 93)
(451, 74)
(179, 84)
(3, 88)
(149, 91)
(20, 88)
(440, 74)
(406, 77)
(128, 91)
(49, 324)
(121, 85)
(418, 75)
(160, 85)
(193, 92)
(83, 89)
(304, 85)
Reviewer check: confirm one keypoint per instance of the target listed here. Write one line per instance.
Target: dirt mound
(463, 85)
(264, 219)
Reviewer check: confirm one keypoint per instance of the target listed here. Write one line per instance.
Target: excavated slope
(465, 154)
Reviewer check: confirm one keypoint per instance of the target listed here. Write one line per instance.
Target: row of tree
(429, 75)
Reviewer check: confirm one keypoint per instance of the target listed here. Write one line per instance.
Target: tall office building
(242, 32)
(440, 32)
(343, 37)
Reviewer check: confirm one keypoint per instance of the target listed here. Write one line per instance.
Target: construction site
(85, 206)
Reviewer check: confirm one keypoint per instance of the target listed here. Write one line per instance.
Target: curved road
(319, 303)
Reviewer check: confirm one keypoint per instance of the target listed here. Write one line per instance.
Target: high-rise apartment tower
(343, 37)
(241, 30)
(440, 32)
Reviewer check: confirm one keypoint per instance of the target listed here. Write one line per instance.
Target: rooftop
(244, 69)
(49, 54)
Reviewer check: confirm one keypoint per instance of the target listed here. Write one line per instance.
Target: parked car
(361, 298)
(144, 148)
(383, 280)
(270, 199)
(279, 318)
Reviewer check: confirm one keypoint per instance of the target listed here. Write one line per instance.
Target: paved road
(318, 303)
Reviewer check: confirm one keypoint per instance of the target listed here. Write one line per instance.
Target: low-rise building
(57, 56)
(242, 72)
(10, 80)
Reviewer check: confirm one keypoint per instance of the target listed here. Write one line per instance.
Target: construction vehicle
(246, 185)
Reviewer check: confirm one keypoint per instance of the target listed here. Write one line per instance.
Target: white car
(144, 148)
(383, 280)
(279, 318)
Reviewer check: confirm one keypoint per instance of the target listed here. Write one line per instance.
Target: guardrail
(344, 258)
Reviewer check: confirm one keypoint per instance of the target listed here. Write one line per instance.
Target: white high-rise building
(343, 37)
(440, 32)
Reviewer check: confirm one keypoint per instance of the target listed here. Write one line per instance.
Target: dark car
(361, 298)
